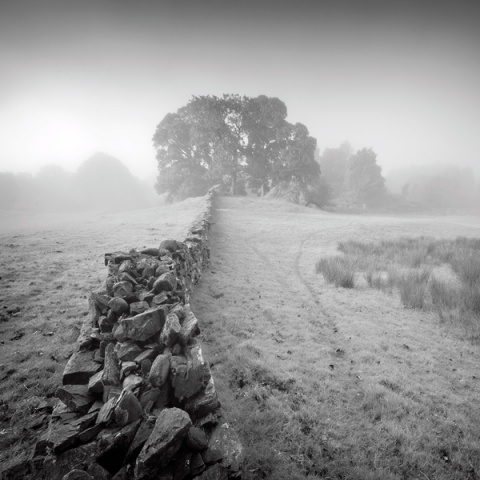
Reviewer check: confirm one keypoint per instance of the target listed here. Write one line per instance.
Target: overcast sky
(83, 76)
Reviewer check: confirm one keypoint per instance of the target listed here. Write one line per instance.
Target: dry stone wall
(138, 401)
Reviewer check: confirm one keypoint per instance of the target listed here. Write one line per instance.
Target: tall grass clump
(336, 270)
(406, 265)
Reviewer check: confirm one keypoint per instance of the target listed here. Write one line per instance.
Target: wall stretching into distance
(137, 399)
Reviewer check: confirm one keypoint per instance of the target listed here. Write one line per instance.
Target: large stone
(139, 307)
(127, 409)
(148, 353)
(131, 382)
(159, 371)
(106, 412)
(60, 465)
(190, 376)
(113, 445)
(204, 402)
(143, 326)
(171, 331)
(225, 439)
(122, 289)
(76, 397)
(80, 367)
(170, 429)
(143, 432)
(196, 439)
(95, 384)
(170, 245)
(165, 282)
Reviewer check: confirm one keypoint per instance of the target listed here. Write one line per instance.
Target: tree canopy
(232, 140)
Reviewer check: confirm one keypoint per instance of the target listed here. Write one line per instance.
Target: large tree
(364, 183)
(229, 140)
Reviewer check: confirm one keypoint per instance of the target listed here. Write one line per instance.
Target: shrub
(337, 271)
(413, 289)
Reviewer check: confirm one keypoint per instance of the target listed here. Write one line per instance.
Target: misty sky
(83, 76)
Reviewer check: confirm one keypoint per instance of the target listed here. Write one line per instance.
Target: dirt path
(326, 382)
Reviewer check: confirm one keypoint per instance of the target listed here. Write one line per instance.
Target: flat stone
(77, 475)
(127, 368)
(106, 412)
(171, 331)
(113, 445)
(160, 299)
(159, 370)
(147, 354)
(170, 429)
(145, 367)
(225, 439)
(60, 465)
(143, 432)
(132, 381)
(211, 455)
(80, 367)
(76, 397)
(150, 251)
(127, 351)
(145, 325)
(118, 333)
(188, 379)
(127, 409)
(111, 368)
(204, 402)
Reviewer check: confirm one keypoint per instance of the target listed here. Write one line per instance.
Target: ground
(320, 382)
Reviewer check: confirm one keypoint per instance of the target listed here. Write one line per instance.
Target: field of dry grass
(327, 382)
(50, 263)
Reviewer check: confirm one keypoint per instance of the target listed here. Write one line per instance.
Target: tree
(9, 190)
(365, 185)
(231, 140)
(333, 164)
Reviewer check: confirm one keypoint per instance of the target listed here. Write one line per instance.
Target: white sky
(79, 77)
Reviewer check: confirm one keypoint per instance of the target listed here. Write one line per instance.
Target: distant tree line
(102, 182)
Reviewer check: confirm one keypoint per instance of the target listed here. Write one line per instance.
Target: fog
(101, 183)
(79, 77)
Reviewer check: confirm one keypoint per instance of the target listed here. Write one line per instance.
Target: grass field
(320, 381)
(330, 382)
(50, 263)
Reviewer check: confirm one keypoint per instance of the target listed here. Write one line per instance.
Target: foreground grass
(50, 263)
(331, 383)
(442, 275)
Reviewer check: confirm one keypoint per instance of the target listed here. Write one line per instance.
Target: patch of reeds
(336, 270)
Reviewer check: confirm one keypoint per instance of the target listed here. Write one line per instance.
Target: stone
(161, 269)
(95, 384)
(76, 397)
(80, 367)
(177, 349)
(225, 439)
(142, 435)
(170, 429)
(196, 439)
(105, 324)
(165, 282)
(106, 412)
(126, 277)
(111, 392)
(188, 378)
(127, 409)
(118, 305)
(77, 475)
(148, 353)
(164, 397)
(182, 466)
(146, 296)
(118, 333)
(211, 455)
(159, 371)
(214, 472)
(197, 466)
(143, 326)
(124, 473)
(132, 381)
(122, 289)
(100, 301)
(139, 307)
(127, 266)
(150, 251)
(170, 245)
(113, 445)
(204, 402)
(127, 368)
(55, 468)
(160, 299)
(127, 351)
(190, 326)
(148, 396)
(111, 368)
(90, 433)
(145, 367)
(171, 331)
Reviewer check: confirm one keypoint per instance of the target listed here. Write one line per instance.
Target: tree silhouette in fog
(104, 183)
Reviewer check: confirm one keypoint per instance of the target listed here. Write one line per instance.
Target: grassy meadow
(328, 382)
(320, 381)
(50, 264)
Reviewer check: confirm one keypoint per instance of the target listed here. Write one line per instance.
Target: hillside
(326, 382)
